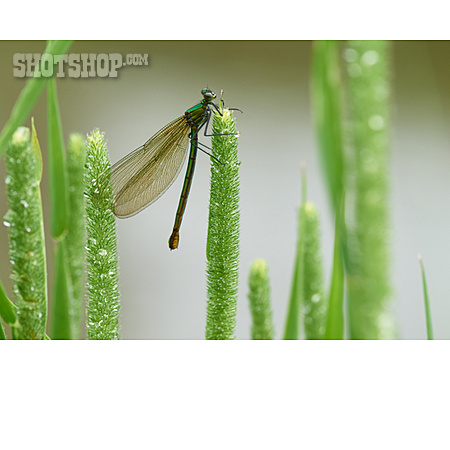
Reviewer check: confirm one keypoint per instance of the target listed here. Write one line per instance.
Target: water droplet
(24, 203)
(27, 229)
(350, 55)
(354, 70)
(6, 223)
(8, 179)
(102, 252)
(376, 122)
(369, 58)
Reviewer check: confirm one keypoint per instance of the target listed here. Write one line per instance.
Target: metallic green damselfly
(141, 177)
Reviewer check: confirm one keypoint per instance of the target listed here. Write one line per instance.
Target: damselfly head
(208, 94)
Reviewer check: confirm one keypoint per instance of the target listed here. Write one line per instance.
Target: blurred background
(164, 292)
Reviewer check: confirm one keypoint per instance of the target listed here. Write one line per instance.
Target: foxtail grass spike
(314, 302)
(26, 233)
(101, 249)
(223, 231)
(259, 300)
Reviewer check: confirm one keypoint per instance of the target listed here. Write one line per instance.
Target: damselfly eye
(208, 94)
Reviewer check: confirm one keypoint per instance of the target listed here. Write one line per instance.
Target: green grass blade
(61, 323)
(28, 96)
(103, 300)
(291, 330)
(326, 92)
(7, 309)
(335, 317)
(314, 302)
(368, 284)
(57, 166)
(26, 233)
(223, 231)
(8, 312)
(259, 301)
(430, 335)
(76, 229)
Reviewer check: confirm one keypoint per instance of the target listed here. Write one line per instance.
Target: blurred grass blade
(326, 89)
(76, 228)
(291, 330)
(430, 335)
(368, 283)
(57, 165)
(335, 317)
(222, 248)
(28, 96)
(259, 301)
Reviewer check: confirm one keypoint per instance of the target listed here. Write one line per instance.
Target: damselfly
(141, 177)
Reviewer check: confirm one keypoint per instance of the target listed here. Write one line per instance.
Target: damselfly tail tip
(174, 240)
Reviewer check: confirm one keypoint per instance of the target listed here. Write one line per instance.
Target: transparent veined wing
(141, 177)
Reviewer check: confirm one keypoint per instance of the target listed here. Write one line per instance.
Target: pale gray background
(163, 292)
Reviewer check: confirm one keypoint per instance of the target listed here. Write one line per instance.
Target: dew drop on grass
(376, 122)
(354, 70)
(350, 55)
(7, 218)
(24, 203)
(102, 252)
(8, 179)
(370, 58)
